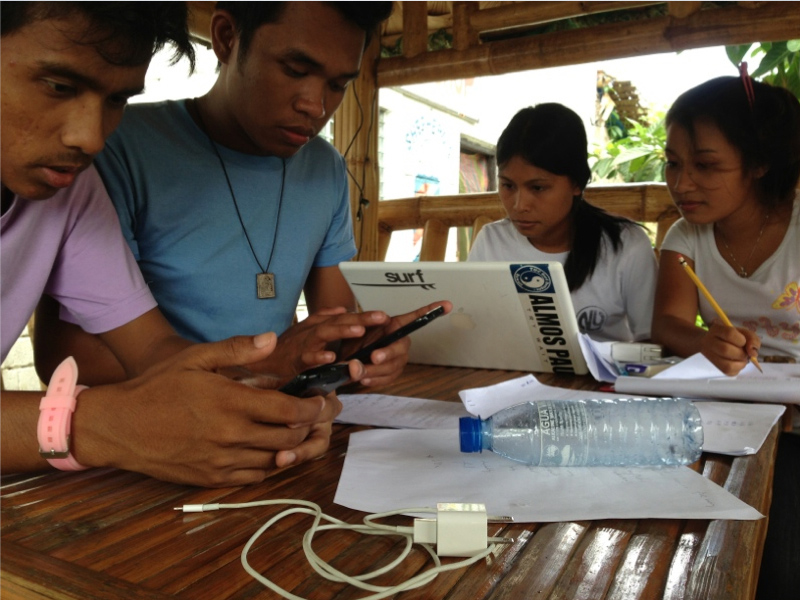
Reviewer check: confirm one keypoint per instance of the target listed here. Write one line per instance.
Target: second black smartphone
(319, 381)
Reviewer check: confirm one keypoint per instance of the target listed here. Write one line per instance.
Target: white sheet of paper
(695, 366)
(772, 386)
(598, 358)
(693, 376)
(484, 402)
(380, 410)
(391, 469)
(737, 428)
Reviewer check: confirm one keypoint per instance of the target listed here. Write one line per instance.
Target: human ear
(223, 36)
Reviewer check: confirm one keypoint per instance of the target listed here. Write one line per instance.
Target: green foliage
(636, 158)
(639, 156)
(780, 62)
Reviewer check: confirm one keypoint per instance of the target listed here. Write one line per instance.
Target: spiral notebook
(506, 315)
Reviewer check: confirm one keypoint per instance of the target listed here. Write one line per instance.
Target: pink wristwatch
(55, 417)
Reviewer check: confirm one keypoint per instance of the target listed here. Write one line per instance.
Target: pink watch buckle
(55, 417)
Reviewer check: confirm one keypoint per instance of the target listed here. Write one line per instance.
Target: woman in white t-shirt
(609, 261)
(733, 152)
(733, 160)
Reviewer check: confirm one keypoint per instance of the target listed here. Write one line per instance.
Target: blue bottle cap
(470, 432)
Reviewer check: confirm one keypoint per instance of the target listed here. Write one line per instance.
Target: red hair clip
(747, 82)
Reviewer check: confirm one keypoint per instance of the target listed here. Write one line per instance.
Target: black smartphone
(324, 379)
(364, 353)
(319, 381)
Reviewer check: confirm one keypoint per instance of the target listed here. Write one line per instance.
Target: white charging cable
(458, 530)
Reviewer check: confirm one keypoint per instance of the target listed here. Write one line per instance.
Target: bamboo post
(681, 10)
(384, 238)
(355, 131)
(415, 28)
(477, 225)
(464, 35)
(434, 240)
(199, 19)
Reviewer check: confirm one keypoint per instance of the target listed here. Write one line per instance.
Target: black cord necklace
(265, 281)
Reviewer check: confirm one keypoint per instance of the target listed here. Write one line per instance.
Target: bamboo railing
(643, 203)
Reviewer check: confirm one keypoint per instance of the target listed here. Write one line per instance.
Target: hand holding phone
(364, 353)
(324, 379)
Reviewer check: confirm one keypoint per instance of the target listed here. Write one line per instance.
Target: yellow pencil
(711, 301)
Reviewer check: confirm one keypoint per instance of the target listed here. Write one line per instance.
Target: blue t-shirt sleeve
(339, 245)
(119, 182)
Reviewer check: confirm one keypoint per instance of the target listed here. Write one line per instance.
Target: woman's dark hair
(552, 137)
(250, 16)
(124, 33)
(767, 134)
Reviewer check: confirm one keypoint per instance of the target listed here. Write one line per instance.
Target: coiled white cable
(369, 527)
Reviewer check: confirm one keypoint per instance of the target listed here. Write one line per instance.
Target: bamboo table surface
(105, 534)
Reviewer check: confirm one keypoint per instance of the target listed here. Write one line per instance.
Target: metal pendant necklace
(742, 272)
(265, 281)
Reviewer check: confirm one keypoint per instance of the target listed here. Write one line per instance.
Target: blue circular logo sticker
(532, 278)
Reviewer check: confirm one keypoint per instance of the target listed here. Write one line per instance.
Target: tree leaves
(779, 65)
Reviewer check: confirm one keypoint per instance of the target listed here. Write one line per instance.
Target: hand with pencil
(725, 345)
(677, 305)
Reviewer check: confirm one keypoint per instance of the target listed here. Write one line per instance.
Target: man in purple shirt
(67, 72)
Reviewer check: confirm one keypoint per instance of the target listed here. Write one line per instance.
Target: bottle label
(563, 439)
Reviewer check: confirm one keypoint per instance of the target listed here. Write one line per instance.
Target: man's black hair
(250, 16)
(125, 33)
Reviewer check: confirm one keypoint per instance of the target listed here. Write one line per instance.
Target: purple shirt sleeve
(71, 248)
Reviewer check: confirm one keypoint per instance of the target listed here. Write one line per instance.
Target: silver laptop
(506, 315)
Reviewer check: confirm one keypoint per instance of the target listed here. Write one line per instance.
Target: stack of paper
(697, 377)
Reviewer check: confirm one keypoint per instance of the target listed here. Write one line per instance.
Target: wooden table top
(105, 534)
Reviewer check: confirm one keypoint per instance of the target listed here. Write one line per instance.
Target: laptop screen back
(506, 315)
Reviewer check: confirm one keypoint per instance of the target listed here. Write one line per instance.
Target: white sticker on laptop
(540, 304)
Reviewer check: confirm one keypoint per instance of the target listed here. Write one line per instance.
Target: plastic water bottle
(576, 433)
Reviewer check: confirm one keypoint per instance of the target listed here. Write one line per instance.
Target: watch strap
(55, 417)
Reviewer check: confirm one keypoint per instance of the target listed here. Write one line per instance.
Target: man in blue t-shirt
(230, 203)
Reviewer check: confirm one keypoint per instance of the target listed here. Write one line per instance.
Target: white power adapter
(458, 529)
